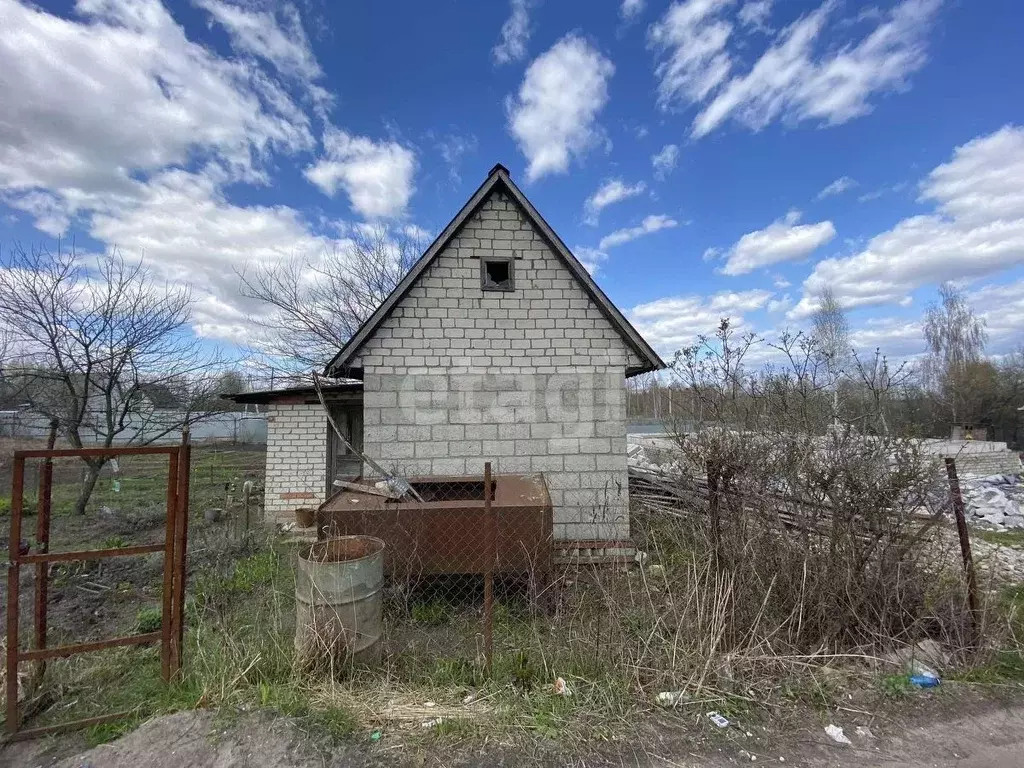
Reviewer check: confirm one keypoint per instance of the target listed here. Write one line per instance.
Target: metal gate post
(13, 583)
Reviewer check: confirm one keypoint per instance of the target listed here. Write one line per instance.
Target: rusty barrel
(338, 600)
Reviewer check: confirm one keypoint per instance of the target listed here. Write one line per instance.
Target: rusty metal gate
(174, 546)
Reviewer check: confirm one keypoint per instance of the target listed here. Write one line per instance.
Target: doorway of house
(342, 463)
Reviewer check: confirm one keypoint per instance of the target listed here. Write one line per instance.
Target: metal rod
(167, 596)
(373, 464)
(96, 645)
(489, 576)
(65, 453)
(965, 545)
(43, 501)
(13, 575)
(85, 722)
(91, 554)
(180, 549)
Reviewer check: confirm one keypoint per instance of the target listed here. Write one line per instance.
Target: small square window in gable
(496, 275)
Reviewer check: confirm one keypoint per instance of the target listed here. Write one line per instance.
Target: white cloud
(88, 104)
(186, 230)
(649, 225)
(691, 41)
(780, 304)
(590, 258)
(674, 322)
(837, 187)
(630, 9)
(515, 34)
(1001, 306)
(782, 240)
(977, 229)
(780, 282)
(610, 192)
(792, 81)
(376, 176)
(896, 338)
(453, 148)
(552, 118)
(665, 161)
(754, 15)
(116, 124)
(277, 38)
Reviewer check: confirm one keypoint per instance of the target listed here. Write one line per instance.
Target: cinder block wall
(296, 459)
(532, 380)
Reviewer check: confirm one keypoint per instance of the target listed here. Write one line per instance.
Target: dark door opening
(342, 464)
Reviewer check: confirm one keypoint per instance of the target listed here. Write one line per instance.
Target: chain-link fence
(454, 548)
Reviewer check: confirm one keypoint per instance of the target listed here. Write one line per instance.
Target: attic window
(496, 274)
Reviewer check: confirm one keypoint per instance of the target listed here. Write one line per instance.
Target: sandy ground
(991, 735)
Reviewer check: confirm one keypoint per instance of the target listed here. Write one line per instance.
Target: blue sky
(705, 158)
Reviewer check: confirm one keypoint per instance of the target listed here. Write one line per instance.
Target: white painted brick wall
(296, 459)
(532, 380)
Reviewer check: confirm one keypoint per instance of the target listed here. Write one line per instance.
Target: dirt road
(991, 736)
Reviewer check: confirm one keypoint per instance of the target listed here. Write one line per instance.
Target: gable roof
(499, 178)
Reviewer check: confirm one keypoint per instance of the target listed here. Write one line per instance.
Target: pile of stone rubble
(995, 502)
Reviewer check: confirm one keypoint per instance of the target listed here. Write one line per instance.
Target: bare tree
(831, 333)
(94, 342)
(956, 339)
(316, 308)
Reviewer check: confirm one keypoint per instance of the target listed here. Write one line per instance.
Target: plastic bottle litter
(718, 720)
(670, 698)
(924, 681)
(836, 734)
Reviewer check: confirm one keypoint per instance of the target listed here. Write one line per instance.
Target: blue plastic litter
(924, 681)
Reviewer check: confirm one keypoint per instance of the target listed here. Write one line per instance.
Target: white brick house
(497, 346)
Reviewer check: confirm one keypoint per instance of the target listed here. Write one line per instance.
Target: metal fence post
(492, 546)
(43, 503)
(965, 545)
(13, 577)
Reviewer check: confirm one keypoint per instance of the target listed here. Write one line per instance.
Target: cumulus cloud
(630, 9)
(376, 176)
(976, 229)
(88, 104)
(610, 192)
(515, 34)
(674, 322)
(837, 187)
(665, 161)
(115, 123)
(649, 225)
(782, 240)
(552, 118)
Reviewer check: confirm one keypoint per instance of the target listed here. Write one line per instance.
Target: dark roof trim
(499, 175)
(265, 396)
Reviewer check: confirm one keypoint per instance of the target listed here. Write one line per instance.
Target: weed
(896, 686)
(148, 620)
(431, 614)
(114, 542)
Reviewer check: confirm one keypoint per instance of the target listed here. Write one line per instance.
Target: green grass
(1003, 538)
(148, 620)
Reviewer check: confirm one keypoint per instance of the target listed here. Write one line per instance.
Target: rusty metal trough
(448, 533)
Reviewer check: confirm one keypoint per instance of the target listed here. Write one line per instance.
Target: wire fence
(455, 547)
